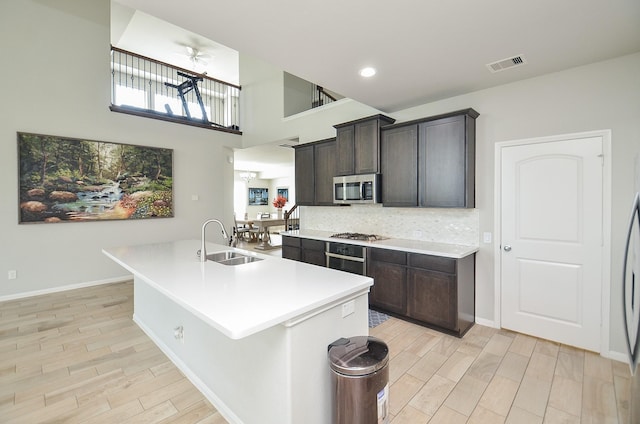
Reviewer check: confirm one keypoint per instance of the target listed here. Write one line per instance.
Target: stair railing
(292, 218)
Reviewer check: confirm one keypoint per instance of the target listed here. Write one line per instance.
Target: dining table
(263, 225)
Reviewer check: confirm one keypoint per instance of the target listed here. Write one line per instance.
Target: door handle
(507, 248)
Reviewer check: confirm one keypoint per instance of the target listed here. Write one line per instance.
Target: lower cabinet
(432, 298)
(434, 291)
(304, 250)
(388, 268)
(291, 248)
(313, 252)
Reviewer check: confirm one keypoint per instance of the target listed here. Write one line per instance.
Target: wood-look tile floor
(77, 357)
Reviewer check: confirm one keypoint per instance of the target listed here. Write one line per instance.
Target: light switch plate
(486, 237)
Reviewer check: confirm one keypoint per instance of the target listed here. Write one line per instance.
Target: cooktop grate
(358, 236)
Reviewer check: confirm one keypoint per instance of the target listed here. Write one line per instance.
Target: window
(129, 96)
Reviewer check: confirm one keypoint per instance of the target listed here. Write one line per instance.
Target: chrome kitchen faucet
(203, 249)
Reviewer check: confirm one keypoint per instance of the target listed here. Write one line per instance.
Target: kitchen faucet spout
(203, 249)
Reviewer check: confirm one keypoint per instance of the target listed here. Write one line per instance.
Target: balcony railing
(154, 89)
(320, 97)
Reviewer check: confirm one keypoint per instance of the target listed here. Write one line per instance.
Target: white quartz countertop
(456, 251)
(238, 300)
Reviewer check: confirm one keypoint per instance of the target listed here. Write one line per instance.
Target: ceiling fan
(197, 57)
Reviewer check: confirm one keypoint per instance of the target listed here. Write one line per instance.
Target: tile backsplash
(457, 226)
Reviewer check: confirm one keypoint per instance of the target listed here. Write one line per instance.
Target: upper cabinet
(314, 171)
(358, 145)
(430, 162)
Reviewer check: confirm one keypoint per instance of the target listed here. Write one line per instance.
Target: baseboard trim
(486, 322)
(66, 288)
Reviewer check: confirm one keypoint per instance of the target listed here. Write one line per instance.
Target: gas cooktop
(358, 236)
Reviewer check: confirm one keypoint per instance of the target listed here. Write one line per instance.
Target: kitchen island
(252, 337)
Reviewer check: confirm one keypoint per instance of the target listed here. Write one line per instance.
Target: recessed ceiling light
(367, 72)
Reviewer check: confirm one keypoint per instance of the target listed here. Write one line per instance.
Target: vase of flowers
(279, 203)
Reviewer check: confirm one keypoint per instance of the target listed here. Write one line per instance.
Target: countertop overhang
(456, 251)
(238, 300)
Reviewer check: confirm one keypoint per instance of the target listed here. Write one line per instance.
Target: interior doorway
(552, 265)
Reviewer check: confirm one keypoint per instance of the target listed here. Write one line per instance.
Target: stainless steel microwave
(356, 189)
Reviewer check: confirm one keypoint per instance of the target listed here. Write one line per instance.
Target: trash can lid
(359, 355)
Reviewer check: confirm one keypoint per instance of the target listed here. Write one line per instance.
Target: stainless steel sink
(229, 257)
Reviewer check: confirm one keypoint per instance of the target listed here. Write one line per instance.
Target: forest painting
(69, 180)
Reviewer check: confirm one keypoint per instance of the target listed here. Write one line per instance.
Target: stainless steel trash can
(360, 380)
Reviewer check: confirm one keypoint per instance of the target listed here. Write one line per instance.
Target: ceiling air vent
(510, 62)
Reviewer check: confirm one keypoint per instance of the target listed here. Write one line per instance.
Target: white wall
(58, 83)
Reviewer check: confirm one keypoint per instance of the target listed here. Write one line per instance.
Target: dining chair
(240, 231)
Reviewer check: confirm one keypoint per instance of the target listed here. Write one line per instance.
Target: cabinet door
(291, 248)
(290, 252)
(432, 298)
(443, 163)
(399, 166)
(345, 150)
(312, 252)
(366, 147)
(305, 187)
(389, 272)
(325, 168)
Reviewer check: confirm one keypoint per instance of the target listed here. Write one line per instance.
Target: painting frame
(258, 196)
(283, 191)
(68, 179)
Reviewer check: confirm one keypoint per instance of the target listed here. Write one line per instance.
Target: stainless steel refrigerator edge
(631, 297)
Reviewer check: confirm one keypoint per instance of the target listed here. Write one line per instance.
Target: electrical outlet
(178, 333)
(417, 234)
(348, 308)
(12, 274)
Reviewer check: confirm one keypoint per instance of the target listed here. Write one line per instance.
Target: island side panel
(311, 374)
(247, 380)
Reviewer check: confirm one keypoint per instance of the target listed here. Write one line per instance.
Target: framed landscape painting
(66, 179)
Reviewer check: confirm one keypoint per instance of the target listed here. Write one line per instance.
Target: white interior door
(551, 240)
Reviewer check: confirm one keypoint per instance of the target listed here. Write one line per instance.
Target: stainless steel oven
(347, 257)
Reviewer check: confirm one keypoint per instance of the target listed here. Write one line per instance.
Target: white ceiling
(424, 50)
(268, 160)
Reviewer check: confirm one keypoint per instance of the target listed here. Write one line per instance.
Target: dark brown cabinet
(305, 175)
(312, 252)
(399, 165)
(388, 268)
(291, 248)
(434, 291)
(304, 250)
(358, 145)
(439, 152)
(314, 170)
